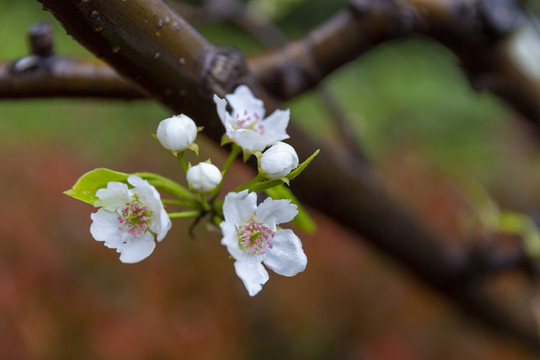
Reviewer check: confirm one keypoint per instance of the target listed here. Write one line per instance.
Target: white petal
(286, 257)
(248, 139)
(137, 248)
(114, 196)
(230, 240)
(250, 270)
(273, 212)
(163, 225)
(239, 207)
(221, 106)
(243, 100)
(275, 126)
(105, 226)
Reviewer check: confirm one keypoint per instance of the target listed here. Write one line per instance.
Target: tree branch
(474, 30)
(340, 186)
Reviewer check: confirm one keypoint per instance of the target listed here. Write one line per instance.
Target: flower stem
(233, 154)
(204, 203)
(249, 184)
(185, 214)
(177, 202)
(182, 161)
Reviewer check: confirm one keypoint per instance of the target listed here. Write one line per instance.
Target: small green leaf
(169, 186)
(85, 188)
(302, 166)
(303, 221)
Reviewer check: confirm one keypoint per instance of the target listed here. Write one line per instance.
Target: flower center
(249, 122)
(135, 218)
(255, 237)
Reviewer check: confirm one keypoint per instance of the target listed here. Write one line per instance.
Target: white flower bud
(203, 177)
(279, 160)
(177, 133)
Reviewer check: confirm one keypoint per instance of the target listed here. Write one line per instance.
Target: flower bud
(203, 177)
(278, 161)
(177, 133)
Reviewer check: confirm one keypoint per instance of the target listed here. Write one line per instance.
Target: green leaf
(85, 188)
(169, 186)
(303, 221)
(302, 166)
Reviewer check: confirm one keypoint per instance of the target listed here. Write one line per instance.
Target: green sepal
(258, 154)
(225, 140)
(85, 188)
(303, 221)
(194, 147)
(302, 166)
(246, 154)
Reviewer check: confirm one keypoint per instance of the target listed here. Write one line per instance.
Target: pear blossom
(278, 160)
(130, 218)
(252, 237)
(246, 124)
(203, 177)
(177, 133)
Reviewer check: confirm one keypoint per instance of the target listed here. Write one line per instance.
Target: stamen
(135, 218)
(254, 237)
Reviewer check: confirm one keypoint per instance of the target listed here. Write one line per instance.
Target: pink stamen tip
(263, 251)
(120, 228)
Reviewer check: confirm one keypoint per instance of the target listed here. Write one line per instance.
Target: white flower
(252, 237)
(203, 177)
(246, 125)
(279, 160)
(177, 133)
(130, 218)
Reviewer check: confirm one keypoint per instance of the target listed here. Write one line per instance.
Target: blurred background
(435, 141)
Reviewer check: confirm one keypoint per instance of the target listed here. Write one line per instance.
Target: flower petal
(287, 257)
(250, 270)
(114, 196)
(137, 248)
(273, 212)
(221, 105)
(275, 126)
(105, 227)
(230, 239)
(239, 207)
(242, 101)
(248, 139)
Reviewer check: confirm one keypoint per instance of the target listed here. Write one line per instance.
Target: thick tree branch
(152, 40)
(474, 30)
(51, 76)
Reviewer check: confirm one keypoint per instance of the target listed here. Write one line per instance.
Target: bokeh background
(433, 139)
